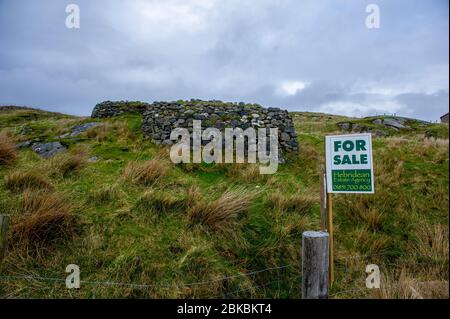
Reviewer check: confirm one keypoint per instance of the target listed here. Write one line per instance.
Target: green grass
(141, 234)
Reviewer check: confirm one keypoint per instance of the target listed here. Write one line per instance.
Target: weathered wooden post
(315, 262)
(323, 200)
(4, 224)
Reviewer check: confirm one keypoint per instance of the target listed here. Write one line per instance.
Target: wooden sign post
(349, 169)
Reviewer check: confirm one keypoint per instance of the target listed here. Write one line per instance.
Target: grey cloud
(230, 50)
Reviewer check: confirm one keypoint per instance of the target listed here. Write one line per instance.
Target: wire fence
(273, 282)
(252, 286)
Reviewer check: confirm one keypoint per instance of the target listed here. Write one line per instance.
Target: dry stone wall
(160, 118)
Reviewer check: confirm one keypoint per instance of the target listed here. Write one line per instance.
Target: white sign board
(349, 164)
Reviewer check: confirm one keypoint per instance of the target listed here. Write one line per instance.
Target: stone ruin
(160, 118)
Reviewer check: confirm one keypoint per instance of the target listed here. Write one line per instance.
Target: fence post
(315, 246)
(4, 224)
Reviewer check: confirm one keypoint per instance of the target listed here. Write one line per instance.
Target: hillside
(141, 227)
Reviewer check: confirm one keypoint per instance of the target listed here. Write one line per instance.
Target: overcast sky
(299, 55)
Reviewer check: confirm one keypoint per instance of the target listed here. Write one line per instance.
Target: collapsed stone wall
(115, 108)
(160, 118)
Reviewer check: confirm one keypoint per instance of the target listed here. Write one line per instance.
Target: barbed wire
(365, 255)
(134, 285)
(348, 291)
(31, 278)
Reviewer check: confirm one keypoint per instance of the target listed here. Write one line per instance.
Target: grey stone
(344, 126)
(47, 150)
(379, 133)
(78, 129)
(357, 128)
(285, 137)
(393, 123)
(24, 144)
(189, 113)
(111, 109)
(378, 122)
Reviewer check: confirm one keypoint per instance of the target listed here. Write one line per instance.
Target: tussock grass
(360, 210)
(66, 163)
(160, 202)
(248, 173)
(145, 173)
(100, 133)
(432, 247)
(193, 194)
(433, 150)
(109, 130)
(107, 194)
(21, 180)
(45, 218)
(397, 141)
(407, 287)
(389, 171)
(370, 242)
(221, 214)
(301, 203)
(309, 153)
(8, 153)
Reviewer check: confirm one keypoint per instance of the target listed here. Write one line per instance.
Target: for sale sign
(349, 163)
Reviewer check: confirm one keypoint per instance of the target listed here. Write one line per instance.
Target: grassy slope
(125, 238)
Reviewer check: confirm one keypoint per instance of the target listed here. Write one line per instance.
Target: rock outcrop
(49, 149)
(380, 126)
(78, 129)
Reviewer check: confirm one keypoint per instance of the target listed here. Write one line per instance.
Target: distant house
(444, 118)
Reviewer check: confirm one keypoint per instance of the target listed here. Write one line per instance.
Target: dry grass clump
(107, 130)
(107, 193)
(100, 133)
(145, 173)
(64, 164)
(160, 202)
(436, 146)
(248, 173)
(193, 193)
(432, 241)
(389, 171)
(301, 203)
(309, 155)
(45, 218)
(122, 130)
(407, 287)
(20, 180)
(432, 247)
(360, 209)
(396, 142)
(221, 214)
(8, 152)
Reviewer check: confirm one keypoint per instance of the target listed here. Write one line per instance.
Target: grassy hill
(141, 227)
